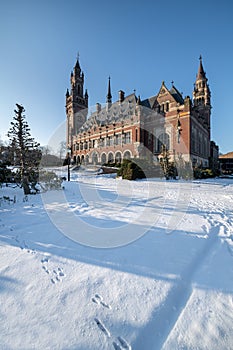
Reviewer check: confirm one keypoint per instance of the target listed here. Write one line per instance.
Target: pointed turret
(86, 97)
(109, 95)
(77, 68)
(139, 100)
(86, 94)
(201, 98)
(201, 92)
(201, 72)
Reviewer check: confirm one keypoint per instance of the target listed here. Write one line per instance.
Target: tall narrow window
(127, 137)
(163, 141)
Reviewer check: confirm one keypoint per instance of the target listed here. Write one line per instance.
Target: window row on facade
(103, 158)
(118, 139)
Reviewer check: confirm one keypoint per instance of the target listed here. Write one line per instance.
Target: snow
(111, 264)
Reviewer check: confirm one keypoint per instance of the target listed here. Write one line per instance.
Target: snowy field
(158, 273)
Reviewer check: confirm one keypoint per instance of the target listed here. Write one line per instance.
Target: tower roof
(77, 67)
(201, 72)
(109, 95)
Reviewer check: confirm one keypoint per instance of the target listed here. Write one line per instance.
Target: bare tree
(62, 150)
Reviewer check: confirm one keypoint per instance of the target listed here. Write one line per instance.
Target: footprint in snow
(43, 262)
(24, 245)
(122, 344)
(57, 275)
(98, 299)
(102, 327)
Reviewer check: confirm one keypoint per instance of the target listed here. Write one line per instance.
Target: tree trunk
(26, 187)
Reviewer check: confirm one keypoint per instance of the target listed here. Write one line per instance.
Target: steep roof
(149, 102)
(201, 72)
(116, 113)
(176, 95)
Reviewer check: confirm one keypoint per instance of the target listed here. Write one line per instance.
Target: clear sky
(138, 43)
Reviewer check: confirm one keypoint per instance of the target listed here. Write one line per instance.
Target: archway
(94, 158)
(118, 157)
(110, 157)
(127, 155)
(103, 158)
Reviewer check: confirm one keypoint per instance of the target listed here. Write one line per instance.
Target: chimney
(98, 107)
(121, 96)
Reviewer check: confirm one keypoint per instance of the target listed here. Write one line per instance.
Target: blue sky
(138, 43)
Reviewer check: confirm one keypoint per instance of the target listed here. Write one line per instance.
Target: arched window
(94, 158)
(118, 157)
(163, 140)
(110, 157)
(103, 158)
(127, 155)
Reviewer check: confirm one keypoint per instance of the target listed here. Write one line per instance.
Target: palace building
(134, 128)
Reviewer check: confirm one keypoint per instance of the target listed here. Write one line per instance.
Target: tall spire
(109, 95)
(201, 92)
(77, 68)
(201, 72)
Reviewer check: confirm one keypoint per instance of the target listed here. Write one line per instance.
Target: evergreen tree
(164, 161)
(24, 149)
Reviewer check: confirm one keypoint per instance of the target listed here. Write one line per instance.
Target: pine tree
(24, 149)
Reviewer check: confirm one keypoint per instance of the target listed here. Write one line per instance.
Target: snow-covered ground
(163, 280)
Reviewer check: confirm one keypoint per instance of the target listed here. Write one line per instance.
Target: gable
(165, 95)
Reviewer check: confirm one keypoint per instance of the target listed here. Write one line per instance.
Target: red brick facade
(130, 128)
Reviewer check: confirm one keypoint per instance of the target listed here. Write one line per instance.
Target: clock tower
(202, 97)
(76, 104)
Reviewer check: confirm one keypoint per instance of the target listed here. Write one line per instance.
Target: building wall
(167, 118)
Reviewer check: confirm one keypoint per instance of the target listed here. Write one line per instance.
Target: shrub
(139, 169)
(5, 174)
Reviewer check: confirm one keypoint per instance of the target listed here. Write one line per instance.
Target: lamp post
(68, 167)
(67, 162)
